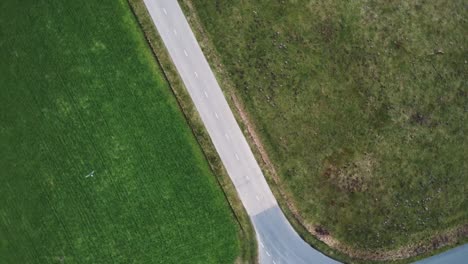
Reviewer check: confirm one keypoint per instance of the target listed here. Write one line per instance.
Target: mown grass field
(361, 105)
(81, 92)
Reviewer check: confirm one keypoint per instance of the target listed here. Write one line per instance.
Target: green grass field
(361, 105)
(81, 92)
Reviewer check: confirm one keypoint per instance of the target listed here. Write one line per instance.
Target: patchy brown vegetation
(351, 176)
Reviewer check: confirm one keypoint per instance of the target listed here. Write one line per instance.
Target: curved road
(278, 241)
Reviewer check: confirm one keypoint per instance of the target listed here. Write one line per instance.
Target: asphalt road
(278, 241)
(458, 255)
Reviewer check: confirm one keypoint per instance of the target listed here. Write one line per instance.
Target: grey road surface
(278, 242)
(458, 255)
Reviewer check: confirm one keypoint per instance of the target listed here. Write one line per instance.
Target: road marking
(165, 12)
(237, 156)
(256, 197)
(186, 54)
(216, 114)
(268, 253)
(261, 244)
(274, 262)
(196, 74)
(247, 177)
(175, 32)
(227, 136)
(206, 94)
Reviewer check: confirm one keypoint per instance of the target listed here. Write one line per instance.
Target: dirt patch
(352, 176)
(420, 119)
(327, 30)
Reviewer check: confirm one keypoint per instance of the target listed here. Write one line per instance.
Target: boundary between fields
(246, 233)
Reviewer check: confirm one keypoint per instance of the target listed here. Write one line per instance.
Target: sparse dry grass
(361, 106)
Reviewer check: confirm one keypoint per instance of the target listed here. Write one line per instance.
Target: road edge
(246, 234)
